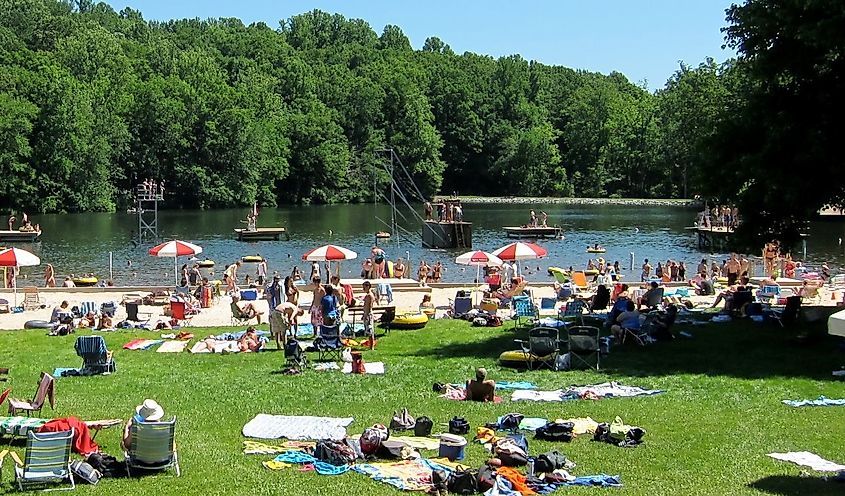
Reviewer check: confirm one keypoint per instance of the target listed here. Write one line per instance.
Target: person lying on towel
(480, 389)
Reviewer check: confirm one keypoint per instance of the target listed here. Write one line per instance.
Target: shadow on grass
(740, 348)
(792, 485)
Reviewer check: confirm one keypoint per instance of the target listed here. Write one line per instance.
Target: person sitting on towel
(106, 322)
(250, 341)
(481, 389)
(148, 411)
(248, 311)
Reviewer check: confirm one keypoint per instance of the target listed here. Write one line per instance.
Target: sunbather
(247, 311)
(106, 322)
(148, 411)
(250, 342)
(480, 389)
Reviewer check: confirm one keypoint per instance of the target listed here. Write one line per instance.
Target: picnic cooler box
(249, 294)
(452, 446)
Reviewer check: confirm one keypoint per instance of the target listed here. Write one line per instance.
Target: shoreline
(527, 200)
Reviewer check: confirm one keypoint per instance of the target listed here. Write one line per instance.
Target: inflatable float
(85, 281)
(591, 249)
(252, 259)
(409, 321)
(38, 324)
(204, 264)
(517, 358)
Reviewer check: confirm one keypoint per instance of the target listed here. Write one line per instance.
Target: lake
(80, 243)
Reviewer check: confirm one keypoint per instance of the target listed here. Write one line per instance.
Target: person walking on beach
(369, 299)
(646, 271)
(49, 276)
(231, 277)
(273, 292)
(261, 271)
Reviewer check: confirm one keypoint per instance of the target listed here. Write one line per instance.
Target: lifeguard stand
(147, 197)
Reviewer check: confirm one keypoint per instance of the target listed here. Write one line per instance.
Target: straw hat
(149, 410)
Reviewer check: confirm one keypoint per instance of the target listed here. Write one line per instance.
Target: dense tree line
(93, 101)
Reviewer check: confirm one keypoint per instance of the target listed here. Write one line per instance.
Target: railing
(149, 192)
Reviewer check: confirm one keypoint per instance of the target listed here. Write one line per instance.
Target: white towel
(296, 427)
(369, 367)
(808, 459)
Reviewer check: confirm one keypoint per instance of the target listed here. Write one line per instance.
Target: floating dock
(452, 234)
(19, 236)
(261, 234)
(532, 232)
(709, 237)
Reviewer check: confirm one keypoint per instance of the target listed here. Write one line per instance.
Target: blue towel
(321, 468)
(515, 385)
(57, 372)
(822, 401)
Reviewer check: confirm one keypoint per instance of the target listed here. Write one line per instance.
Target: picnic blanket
(19, 426)
(288, 457)
(596, 391)
(266, 426)
(808, 459)
(821, 401)
(141, 344)
(172, 347)
(369, 367)
(256, 448)
(60, 371)
(407, 475)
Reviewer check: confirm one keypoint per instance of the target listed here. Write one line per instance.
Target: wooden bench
(379, 312)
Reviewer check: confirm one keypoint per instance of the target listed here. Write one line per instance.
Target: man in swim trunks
(283, 319)
(732, 269)
(646, 271)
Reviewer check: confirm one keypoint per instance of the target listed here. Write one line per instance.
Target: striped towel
(142, 344)
(172, 347)
(19, 426)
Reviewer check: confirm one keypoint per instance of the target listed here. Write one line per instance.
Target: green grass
(708, 434)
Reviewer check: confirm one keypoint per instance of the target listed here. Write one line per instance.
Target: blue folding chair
(328, 343)
(87, 307)
(523, 309)
(96, 358)
(573, 311)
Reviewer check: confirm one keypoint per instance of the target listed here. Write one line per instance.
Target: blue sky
(642, 39)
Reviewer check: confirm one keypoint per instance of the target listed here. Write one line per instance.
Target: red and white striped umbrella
(175, 248)
(15, 257)
(520, 251)
(479, 258)
(329, 253)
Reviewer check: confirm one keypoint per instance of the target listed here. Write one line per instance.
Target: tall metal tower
(147, 197)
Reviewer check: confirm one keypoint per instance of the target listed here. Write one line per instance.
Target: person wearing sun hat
(148, 411)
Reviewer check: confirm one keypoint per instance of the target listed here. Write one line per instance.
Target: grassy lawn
(708, 434)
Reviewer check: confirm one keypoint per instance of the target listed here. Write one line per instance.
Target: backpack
(423, 426)
(554, 431)
(486, 478)
(402, 421)
(512, 450)
(459, 426)
(372, 438)
(85, 471)
(462, 482)
(107, 465)
(549, 462)
(334, 452)
(510, 422)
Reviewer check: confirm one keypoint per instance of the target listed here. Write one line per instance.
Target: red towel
(131, 344)
(82, 442)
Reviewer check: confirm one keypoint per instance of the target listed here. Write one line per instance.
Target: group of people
(671, 271)
(26, 224)
(149, 187)
(447, 211)
(537, 221)
(719, 216)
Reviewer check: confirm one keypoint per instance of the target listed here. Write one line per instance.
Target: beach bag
(85, 471)
(486, 478)
(512, 450)
(479, 322)
(549, 462)
(510, 422)
(459, 426)
(402, 421)
(372, 438)
(462, 481)
(107, 465)
(439, 479)
(423, 426)
(334, 452)
(555, 431)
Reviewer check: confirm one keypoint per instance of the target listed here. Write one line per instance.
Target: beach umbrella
(15, 257)
(479, 259)
(520, 251)
(175, 249)
(329, 253)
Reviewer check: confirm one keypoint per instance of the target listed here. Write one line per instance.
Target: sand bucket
(452, 446)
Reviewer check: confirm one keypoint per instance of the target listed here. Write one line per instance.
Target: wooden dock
(262, 234)
(452, 234)
(19, 236)
(532, 232)
(709, 237)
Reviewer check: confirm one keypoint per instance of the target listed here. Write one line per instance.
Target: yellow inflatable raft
(85, 281)
(409, 321)
(252, 259)
(205, 263)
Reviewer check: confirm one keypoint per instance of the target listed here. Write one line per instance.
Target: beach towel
(172, 347)
(19, 426)
(65, 371)
(369, 368)
(821, 401)
(603, 390)
(808, 459)
(296, 427)
(460, 394)
(141, 344)
(515, 385)
(298, 457)
(551, 322)
(528, 395)
(324, 366)
(407, 475)
(257, 448)
(235, 336)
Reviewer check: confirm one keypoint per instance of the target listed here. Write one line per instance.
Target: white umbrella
(479, 259)
(175, 249)
(15, 257)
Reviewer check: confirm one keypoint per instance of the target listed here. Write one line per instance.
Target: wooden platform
(532, 232)
(19, 236)
(711, 237)
(261, 233)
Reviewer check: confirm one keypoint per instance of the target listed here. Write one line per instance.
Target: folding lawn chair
(108, 308)
(541, 348)
(46, 392)
(178, 311)
(46, 460)
(768, 293)
(461, 305)
(96, 358)
(547, 306)
(87, 307)
(584, 346)
(738, 302)
(523, 308)
(573, 311)
(655, 299)
(601, 300)
(788, 313)
(152, 446)
(641, 335)
(579, 280)
(328, 343)
(31, 300)
(294, 356)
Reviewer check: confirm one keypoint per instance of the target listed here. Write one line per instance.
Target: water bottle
(530, 467)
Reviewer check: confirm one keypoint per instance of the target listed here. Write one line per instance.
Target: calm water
(81, 243)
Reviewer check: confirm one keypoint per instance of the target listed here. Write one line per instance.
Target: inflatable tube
(591, 272)
(596, 250)
(38, 324)
(85, 281)
(514, 358)
(409, 321)
(388, 269)
(205, 263)
(252, 259)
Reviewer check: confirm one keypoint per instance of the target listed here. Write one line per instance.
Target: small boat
(382, 235)
(532, 232)
(207, 263)
(261, 233)
(19, 236)
(593, 249)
